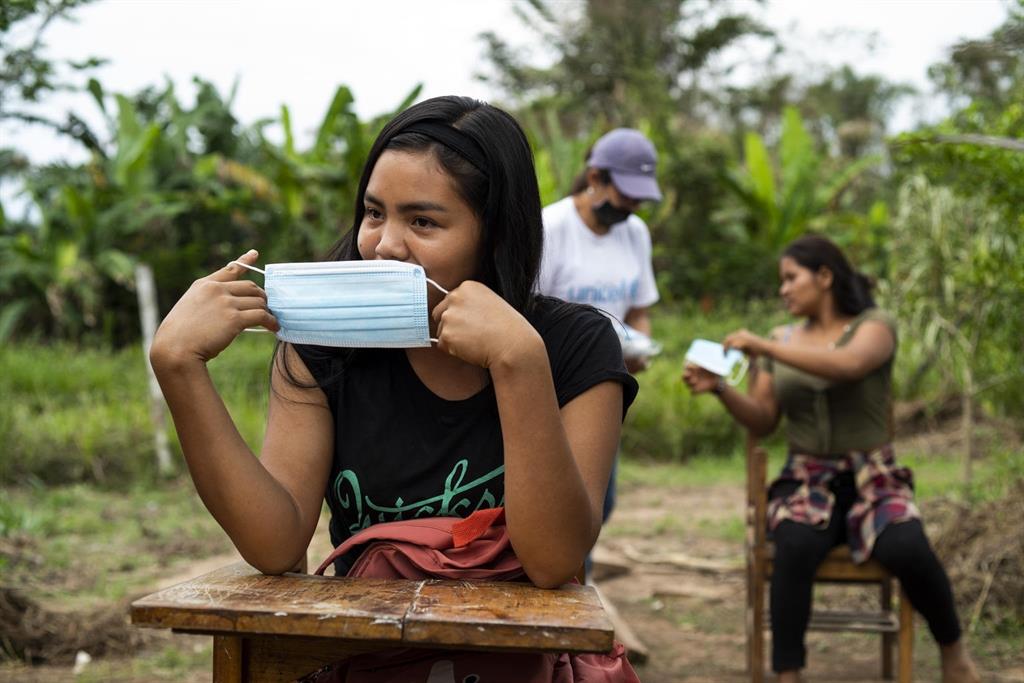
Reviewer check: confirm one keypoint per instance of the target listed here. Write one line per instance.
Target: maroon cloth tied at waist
(476, 547)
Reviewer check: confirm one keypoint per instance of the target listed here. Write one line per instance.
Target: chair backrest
(757, 496)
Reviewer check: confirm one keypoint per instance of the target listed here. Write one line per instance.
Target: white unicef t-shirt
(611, 272)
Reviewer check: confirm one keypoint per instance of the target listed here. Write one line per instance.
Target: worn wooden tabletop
(238, 600)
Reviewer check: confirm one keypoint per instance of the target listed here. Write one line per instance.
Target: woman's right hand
(209, 316)
(698, 379)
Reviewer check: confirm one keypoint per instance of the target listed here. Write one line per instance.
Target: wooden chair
(894, 625)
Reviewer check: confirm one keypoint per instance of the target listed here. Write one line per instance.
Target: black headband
(452, 138)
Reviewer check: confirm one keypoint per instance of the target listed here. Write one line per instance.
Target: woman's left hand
(698, 379)
(478, 326)
(747, 342)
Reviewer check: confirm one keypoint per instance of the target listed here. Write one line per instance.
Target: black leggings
(901, 548)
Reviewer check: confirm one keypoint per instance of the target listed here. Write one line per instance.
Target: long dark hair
(850, 289)
(504, 196)
(506, 199)
(580, 183)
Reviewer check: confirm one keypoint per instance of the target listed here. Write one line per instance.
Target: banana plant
(55, 277)
(798, 191)
(558, 156)
(70, 273)
(181, 188)
(315, 187)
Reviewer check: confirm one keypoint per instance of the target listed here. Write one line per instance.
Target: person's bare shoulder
(778, 332)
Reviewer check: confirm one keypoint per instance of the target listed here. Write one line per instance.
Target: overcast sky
(297, 51)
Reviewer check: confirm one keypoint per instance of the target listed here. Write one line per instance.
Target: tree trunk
(146, 292)
(967, 424)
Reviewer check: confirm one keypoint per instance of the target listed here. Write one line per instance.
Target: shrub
(71, 414)
(666, 422)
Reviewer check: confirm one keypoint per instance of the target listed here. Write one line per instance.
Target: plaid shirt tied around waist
(885, 495)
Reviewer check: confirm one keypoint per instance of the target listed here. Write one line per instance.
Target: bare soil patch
(692, 619)
(680, 586)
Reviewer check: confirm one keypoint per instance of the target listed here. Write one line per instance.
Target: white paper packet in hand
(635, 344)
(712, 356)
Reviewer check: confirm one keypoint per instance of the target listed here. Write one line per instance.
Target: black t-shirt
(401, 451)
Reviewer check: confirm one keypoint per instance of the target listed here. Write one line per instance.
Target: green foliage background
(933, 214)
(182, 185)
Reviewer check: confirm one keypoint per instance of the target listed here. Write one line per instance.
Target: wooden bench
(277, 628)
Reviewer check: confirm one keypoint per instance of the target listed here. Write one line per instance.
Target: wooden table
(276, 628)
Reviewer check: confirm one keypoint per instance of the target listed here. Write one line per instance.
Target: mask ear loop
(442, 289)
(246, 265)
(735, 378)
(261, 272)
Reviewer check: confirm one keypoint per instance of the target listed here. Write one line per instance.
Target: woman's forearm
(258, 514)
(747, 410)
(548, 509)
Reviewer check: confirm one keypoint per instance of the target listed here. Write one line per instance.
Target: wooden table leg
(229, 664)
(279, 659)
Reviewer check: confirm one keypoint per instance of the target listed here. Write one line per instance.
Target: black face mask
(608, 214)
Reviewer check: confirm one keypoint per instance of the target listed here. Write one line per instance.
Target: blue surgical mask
(351, 304)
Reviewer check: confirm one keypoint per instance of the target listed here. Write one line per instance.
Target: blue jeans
(609, 505)
(609, 495)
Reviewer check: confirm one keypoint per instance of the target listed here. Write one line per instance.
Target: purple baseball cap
(630, 159)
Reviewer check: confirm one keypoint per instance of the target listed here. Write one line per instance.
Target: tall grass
(72, 414)
(666, 422)
(76, 414)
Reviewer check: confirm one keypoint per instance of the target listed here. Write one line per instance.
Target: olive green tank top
(828, 419)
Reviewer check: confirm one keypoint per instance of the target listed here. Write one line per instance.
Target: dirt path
(690, 617)
(692, 620)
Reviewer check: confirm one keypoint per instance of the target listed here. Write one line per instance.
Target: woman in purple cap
(597, 251)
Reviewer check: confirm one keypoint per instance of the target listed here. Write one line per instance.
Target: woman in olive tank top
(830, 375)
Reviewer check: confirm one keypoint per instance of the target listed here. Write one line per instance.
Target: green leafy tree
(27, 74)
(558, 156)
(948, 285)
(134, 198)
(986, 72)
(979, 149)
(644, 65)
(850, 110)
(844, 110)
(976, 157)
(617, 60)
(183, 189)
(799, 191)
